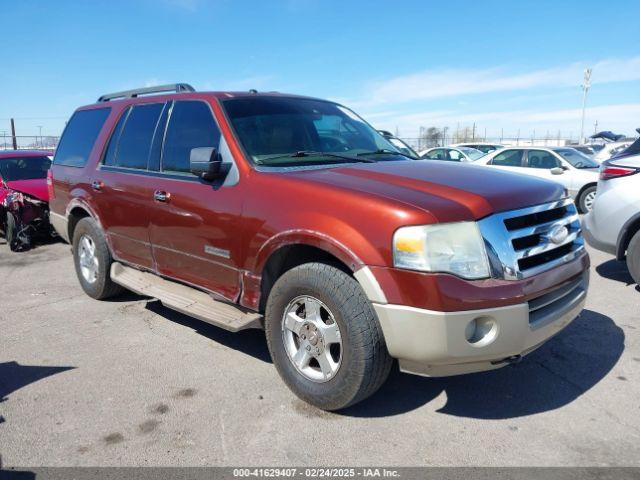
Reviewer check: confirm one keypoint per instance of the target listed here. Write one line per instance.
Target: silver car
(613, 225)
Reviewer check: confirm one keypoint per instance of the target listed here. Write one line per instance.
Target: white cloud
(432, 84)
(622, 118)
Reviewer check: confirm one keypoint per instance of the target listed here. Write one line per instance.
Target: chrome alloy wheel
(589, 199)
(312, 338)
(88, 259)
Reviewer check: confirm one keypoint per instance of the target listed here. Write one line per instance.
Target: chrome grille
(528, 241)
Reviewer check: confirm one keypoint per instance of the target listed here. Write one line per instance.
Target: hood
(607, 135)
(36, 187)
(449, 191)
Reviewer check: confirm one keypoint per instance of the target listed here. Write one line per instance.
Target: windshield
(472, 153)
(577, 159)
(276, 130)
(24, 168)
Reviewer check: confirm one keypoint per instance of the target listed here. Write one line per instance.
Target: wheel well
(584, 187)
(628, 232)
(75, 215)
(288, 257)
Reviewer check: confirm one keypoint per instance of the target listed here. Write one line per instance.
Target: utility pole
(595, 127)
(585, 89)
(40, 134)
(13, 135)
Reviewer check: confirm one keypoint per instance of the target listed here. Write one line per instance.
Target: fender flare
(311, 238)
(627, 231)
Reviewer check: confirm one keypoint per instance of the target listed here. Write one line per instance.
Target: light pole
(40, 131)
(585, 90)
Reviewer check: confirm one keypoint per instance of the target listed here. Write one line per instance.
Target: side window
(508, 158)
(110, 155)
(79, 136)
(454, 155)
(541, 159)
(437, 154)
(135, 140)
(191, 125)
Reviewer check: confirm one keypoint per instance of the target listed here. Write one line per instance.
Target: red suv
(292, 214)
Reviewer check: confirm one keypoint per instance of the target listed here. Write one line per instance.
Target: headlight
(456, 248)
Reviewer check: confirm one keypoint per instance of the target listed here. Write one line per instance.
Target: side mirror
(205, 163)
(557, 171)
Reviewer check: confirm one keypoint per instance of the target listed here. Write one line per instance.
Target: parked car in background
(613, 225)
(399, 144)
(294, 215)
(613, 144)
(452, 154)
(573, 169)
(610, 150)
(588, 150)
(24, 197)
(483, 147)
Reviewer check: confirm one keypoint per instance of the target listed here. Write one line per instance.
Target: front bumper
(433, 343)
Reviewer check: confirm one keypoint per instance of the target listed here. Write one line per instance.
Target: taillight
(50, 185)
(609, 172)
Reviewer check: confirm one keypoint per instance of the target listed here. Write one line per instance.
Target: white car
(452, 154)
(613, 225)
(609, 150)
(482, 146)
(577, 172)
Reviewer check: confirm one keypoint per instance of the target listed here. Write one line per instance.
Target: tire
(586, 199)
(633, 257)
(363, 360)
(11, 232)
(93, 270)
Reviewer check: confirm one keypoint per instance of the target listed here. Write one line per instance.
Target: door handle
(160, 196)
(97, 185)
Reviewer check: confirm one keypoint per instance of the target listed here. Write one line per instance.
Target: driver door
(541, 162)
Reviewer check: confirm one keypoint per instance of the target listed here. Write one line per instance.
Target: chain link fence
(29, 142)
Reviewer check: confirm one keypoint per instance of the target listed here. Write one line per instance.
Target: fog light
(481, 331)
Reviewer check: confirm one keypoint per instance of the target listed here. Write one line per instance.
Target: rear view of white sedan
(577, 172)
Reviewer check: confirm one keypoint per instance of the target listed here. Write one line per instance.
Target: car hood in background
(449, 191)
(607, 135)
(36, 187)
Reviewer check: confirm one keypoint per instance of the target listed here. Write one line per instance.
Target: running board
(184, 299)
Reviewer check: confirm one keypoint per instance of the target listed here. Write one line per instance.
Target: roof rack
(172, 87)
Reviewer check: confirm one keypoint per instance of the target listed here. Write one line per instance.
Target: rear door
(123, 190)
(436, 154)
(511, 160)
(194, 227)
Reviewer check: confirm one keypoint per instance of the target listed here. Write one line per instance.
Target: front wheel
(11, 233)
(586, 199)
(324, 337)
(633, 257)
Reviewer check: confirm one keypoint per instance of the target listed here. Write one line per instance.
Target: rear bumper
(60, 225)
(590, 233)
(436, 343)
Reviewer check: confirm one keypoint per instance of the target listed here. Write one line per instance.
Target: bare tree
(430, 137)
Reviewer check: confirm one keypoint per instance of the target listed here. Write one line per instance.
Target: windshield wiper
(310, 153)
(386, 151)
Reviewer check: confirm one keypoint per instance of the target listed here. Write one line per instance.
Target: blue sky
(510, 65)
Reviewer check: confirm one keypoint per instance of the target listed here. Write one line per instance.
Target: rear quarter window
(79, 136)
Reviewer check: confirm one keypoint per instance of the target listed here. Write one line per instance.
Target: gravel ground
(129, 382)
